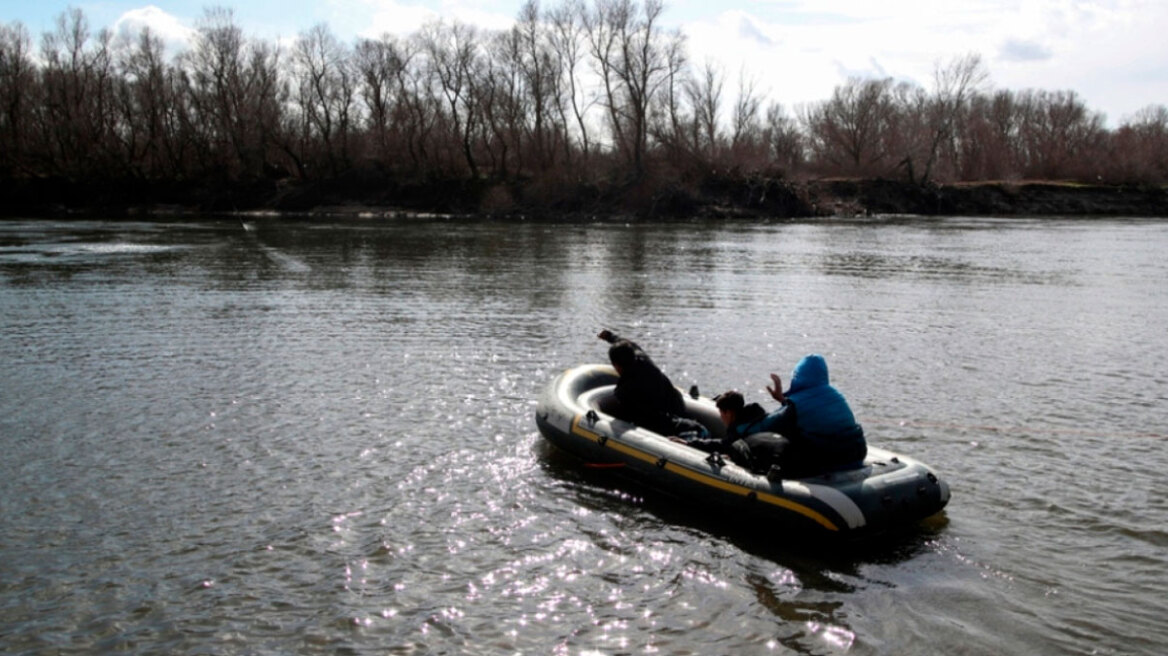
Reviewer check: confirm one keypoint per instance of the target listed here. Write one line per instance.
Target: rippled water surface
(318, 437)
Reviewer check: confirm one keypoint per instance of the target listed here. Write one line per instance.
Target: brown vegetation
(580, 108)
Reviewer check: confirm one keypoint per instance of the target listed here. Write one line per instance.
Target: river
(318, 436)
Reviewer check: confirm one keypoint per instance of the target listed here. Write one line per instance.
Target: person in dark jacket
(819, 429)
(645, 394)
(732, 443)
(757, 451)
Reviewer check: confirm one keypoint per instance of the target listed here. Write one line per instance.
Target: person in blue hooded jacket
(821, 432)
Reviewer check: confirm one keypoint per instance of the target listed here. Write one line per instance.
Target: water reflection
(922, 267)
(318, 436)
(809, 566)
(797, 581)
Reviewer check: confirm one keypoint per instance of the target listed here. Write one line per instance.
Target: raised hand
(777, 390)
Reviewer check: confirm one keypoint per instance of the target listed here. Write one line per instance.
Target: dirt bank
(995, 199)
(717, 196)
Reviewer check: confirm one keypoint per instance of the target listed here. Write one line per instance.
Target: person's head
(810, 372)
(622, 355)
(729, 403)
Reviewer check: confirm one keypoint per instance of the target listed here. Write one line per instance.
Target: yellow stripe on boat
(704, 478)
(611, 443)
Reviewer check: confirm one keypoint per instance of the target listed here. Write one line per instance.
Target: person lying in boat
(645, 395)
(812, 432)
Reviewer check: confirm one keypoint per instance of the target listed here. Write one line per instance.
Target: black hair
(731, 401)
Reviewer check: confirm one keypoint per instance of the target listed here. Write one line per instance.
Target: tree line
(578, 92)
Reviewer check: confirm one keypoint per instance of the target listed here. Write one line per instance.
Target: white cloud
(765, 53)
(392, 17)
(389, 17)
(174, 35)
(1111, 53)
(801, 49)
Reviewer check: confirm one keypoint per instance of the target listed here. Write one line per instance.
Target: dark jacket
(732, 442)
(647, 397)
(753, 419)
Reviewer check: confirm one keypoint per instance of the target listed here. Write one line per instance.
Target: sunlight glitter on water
(833, 635)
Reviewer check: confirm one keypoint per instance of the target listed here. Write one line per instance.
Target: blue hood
(825, 420)
(810, 372)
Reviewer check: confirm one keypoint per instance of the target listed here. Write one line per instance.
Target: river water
(318, 436)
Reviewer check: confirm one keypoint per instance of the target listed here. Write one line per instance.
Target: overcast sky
(1113, 53)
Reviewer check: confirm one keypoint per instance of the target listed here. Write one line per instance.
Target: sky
(1112, 53)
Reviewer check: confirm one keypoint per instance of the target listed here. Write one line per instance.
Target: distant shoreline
(716, 197)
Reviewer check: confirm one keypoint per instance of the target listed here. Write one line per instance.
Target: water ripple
(315, 436)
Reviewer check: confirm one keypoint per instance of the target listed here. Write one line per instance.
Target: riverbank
(1031, 198)
(716, 196)
(847, 197)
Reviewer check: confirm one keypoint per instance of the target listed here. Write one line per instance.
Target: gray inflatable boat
(887, 492)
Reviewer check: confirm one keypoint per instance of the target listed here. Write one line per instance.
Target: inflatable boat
(886, 492)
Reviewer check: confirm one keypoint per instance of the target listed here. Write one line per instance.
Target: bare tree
(785, 142)
(990, 148)
(325, 89)
(566, 38)
(602, 25)
(452, 55)
(673, 124)
(154, 133)
(1056, 132)
(17, 97)
(954, 84)
(642, 66)
(235, 95)
(1140, 147)
(537, 65)
(847, 132)
(215, 70)
(422, 108)
(516, 105)
(504, 101)
(76, 110)
(704, 92)
(378, 63)
(745, 128)
(142, 99)
(906, 136)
